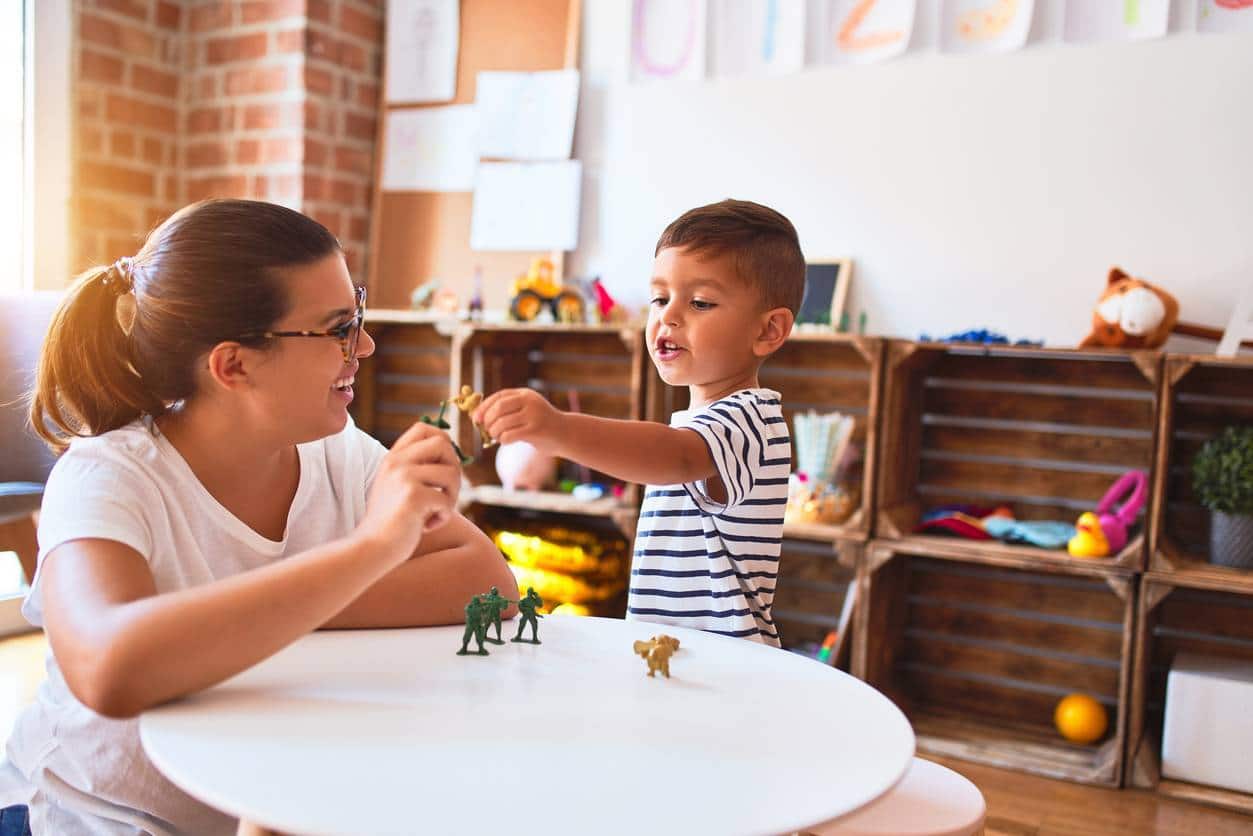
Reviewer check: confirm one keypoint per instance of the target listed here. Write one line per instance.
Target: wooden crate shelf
(1181, 612)
(824, 373)
(1045, 431)
(408, 374)
(1201, 394)
(815, 593)
(599, 368)
(978, 655)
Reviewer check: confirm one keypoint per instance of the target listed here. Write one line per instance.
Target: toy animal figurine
(1131, 313)
(467, 401)
(528, 606)
(657, 652)
(1105, 532)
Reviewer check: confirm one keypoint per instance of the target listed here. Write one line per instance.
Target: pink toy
(1105, 531)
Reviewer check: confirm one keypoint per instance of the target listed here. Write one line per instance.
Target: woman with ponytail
(213, 502)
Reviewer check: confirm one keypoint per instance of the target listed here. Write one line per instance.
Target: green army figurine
(439, 423)
(493, 605)
(527, 607)
(476, 627)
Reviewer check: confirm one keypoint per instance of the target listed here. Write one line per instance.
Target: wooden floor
(1018, 804)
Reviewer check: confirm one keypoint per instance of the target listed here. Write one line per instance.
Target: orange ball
(1080, 719)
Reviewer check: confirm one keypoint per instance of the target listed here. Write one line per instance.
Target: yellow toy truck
(535, 289)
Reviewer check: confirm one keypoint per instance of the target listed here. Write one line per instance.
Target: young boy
(727, 281)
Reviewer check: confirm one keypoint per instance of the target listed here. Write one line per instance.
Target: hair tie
(120, 277)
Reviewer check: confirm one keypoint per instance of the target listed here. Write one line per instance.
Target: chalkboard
(826, 291)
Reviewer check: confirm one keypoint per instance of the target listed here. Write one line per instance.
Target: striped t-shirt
(712, 566)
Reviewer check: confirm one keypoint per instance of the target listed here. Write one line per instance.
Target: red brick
(281, 149)
(100, 213)
(154, 217)
(131, 8)
(271, 116)
(169, 15)
(96, 175)
(207, 86)
(352, 160)
(359, 228)
(267, 11)
(99, 30)
(122, 144)
(204, 120)
(210, 16)
(136, 42)
(220, 186)
(91, 140)
(352, 258)
(236, 48)
(154, 81)
(316, 153)
(96, 66)
(367, 94)
(171, 187)
(207, 154)
(320, 46)
(314, 186)
(318, 80)
(351, 56)
(291, 40)
(256, 80)
(329, 218)
(361, 127)
(319, 10)
(344, 192)
(248, 152)
(154, 151)
(120, 245)
(135, 112)
(364, 25)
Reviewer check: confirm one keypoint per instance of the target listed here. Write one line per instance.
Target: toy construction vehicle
(535, 289)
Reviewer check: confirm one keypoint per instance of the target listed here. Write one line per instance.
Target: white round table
(389, 731)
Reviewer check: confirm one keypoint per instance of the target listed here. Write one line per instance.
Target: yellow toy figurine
(468, 401)
(657, 652)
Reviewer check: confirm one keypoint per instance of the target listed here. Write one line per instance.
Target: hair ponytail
(86, 382)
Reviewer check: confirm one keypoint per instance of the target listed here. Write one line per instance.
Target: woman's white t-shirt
(88, 772)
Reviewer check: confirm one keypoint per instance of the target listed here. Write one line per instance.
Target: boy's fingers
(501, 406)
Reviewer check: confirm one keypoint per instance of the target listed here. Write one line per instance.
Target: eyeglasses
(347, 334)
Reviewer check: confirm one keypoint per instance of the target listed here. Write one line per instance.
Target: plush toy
(1104, 532)
(1131, 314)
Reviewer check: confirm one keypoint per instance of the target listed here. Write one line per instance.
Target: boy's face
(705, 325)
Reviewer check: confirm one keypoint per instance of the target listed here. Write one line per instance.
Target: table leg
(247, 828)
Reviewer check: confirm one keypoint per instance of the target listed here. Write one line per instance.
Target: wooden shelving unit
(977, 654)
(1044, 431)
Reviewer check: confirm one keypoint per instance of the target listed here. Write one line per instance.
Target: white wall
(977, 191)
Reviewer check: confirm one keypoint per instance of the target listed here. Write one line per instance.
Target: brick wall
(268, 99)
(125, 144)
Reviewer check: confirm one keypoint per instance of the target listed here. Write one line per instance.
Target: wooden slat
(827, 356)
(415, 363)
(1034, 444)
(1209, 419)
(1091, 411)
(418, 394)
(1008, 626)
(1070, 597)
(1021, 706)
(1011, 480)
(827, 394)
(1011, 663)
(1223, 380)
(1114, 374)
(556, 375)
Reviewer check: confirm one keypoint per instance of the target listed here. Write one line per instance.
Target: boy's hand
(520, 415)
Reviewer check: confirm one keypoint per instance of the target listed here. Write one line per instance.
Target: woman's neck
(222, 450)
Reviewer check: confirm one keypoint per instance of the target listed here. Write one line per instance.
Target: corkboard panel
(418, 236)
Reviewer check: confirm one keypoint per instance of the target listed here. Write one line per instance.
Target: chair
(24, 459)
(931, 800)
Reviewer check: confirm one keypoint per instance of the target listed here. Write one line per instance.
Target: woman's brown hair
(125, 340)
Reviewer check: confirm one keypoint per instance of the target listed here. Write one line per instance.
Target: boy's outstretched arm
(633, 451)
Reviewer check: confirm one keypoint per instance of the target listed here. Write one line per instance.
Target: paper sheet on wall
(422, 39)
(430, 149)
(857, 33)
(1224, 15)
(667, 40)
(527, 116)
(1088, 22)
(757, 37)
(526, 206)
(985, 25)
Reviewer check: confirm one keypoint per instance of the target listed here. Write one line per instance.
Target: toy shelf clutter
(822, 372)
(1045, 432)
(1201, 395)
(978, 655)
(1181, 613)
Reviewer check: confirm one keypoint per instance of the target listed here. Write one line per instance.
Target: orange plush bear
(1131, 314)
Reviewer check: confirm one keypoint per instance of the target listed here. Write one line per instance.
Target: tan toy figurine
(657, 652)
(468, 401)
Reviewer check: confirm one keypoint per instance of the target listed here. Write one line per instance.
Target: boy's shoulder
(757, 402)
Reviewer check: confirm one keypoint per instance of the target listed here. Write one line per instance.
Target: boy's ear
(776, 325)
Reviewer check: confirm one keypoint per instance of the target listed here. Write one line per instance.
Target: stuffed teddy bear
(1131, 313)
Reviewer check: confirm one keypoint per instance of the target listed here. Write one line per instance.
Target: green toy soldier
(527, 606)
(475, 626)
(493, 605)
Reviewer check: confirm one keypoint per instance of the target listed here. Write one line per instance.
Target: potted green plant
(1222, 477)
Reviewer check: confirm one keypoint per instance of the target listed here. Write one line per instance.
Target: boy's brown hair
(761, 242)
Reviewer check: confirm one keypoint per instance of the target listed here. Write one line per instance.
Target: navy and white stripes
(711, 565)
